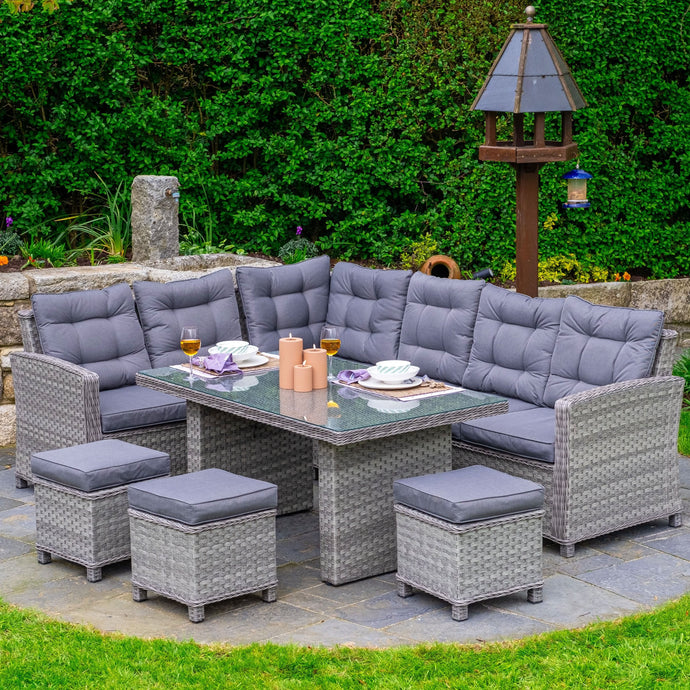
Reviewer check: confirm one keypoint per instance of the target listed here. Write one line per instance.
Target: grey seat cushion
(514, 338)
(367, 307)
(527, 433)
(99, 465)
(209, 303)
(514, 405)
(284, 300)
(205, 496)
(132, 407)
(597, 345)
(438, 325)
(96, 329)
(469, 494)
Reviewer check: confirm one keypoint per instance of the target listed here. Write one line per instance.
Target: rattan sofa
(593, 411)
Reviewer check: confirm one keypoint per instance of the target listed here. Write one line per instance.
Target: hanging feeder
(577, 188)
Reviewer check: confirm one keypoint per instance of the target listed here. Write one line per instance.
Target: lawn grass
(684, 433)
(641, 651)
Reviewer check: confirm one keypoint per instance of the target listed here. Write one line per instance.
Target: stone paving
(633, 570)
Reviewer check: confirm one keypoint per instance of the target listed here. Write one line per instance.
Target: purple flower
(9, 221)
(299, 230)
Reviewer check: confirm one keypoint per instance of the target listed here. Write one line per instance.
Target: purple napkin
(353, 375)
(219, 363)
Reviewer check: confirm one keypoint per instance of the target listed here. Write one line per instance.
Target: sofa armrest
(616, 456)
(57, 405)
(665, 353)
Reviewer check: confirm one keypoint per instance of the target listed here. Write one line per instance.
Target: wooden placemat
(266, 366)
(426, 388)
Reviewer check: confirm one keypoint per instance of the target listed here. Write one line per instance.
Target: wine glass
(330, 341)
(190, 344)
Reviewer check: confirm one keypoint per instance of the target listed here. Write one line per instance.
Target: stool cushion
(469, 494)
(99, 465)
(205, 496)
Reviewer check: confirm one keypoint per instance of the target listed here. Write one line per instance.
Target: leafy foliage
(682, 368)
(353, 115)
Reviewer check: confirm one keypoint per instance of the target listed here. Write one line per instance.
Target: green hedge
(349, 119)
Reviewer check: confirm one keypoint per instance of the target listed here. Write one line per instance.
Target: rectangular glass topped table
(360, 441)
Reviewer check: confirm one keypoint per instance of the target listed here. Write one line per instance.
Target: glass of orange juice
(190, 344)
(330, 341)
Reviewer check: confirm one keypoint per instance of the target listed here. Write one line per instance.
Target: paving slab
(608, 577)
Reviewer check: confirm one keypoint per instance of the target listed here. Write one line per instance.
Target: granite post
(155, 224)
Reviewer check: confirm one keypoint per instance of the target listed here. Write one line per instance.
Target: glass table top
(337, 408)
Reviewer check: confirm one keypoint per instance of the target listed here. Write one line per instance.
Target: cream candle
(318, 359)
(302, 378)
(290, 353)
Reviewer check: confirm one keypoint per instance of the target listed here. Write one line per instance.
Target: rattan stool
(469, 535)
(203, 537)
(81, 500)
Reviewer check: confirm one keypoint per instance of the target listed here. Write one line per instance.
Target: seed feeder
(528, 76)
(577, 188)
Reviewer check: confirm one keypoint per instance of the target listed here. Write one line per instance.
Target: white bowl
(239, 349)
(393, 371)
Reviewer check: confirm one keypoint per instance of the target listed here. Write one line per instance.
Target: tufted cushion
(438, 325)
(598, 345)
(100, 464)
(96, 329)
(513, 341)
(205, 496)
(281, 300)
(132, 407)
(367, 307)
(208, 302)
(469, 494)
(527, 433)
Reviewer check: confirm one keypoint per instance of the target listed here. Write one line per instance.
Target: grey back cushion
(438, 325)
(598, 345)
(209, 303)
(285, 300)
(514, 338)
(367, 307)
(96, 329)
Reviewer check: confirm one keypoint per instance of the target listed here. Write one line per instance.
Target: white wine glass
(190, 344)
(330, 341)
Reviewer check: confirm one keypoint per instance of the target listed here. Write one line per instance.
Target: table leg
(356, 516)
(223, 440)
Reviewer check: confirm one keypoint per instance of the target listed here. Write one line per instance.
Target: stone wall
(671, 296)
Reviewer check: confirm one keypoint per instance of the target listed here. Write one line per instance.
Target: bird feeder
(577, 188)
(528, 76)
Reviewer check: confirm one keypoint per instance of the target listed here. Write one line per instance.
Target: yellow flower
(616, 276)
(4, 260)
(626, 276)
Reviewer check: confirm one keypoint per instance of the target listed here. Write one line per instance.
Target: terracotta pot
(441, 266)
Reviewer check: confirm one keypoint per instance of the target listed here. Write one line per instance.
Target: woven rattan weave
(465, 563)
(203, 564)
(91, 529)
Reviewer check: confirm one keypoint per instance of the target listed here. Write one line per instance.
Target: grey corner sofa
(593, 411)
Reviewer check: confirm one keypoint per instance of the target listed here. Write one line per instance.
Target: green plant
(297, 249)
(199, 230)
(40, 253)
(564, 269)
(682, 368)
(418, 252)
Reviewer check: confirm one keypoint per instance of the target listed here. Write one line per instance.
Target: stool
(468, 535)
(203, 537)
(81, 500)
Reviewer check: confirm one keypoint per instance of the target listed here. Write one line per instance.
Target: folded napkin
(353, 375)
(219, 363)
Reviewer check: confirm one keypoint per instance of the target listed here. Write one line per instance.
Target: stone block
(14, 286)
(609, 294)
(58, 280)
(8, 425)
(5, 356)
(10, 333)
(673, 296)
(7, 388)
(155, 223)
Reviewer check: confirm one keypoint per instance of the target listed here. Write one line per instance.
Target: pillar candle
(317, 358)
(290, 353)
(302, 378)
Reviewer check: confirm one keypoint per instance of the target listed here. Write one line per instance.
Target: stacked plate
(393, 372)
(244, 354)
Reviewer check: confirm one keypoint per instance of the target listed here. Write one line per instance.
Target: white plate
(237, 357)
(253, 361)
(375, 384)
